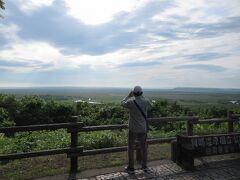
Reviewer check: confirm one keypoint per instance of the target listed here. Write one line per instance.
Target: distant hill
(206, 90)
(99, 90)
(183, 95)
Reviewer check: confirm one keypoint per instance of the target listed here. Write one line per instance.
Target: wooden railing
(74, 127)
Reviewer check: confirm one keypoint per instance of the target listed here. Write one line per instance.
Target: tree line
(32, 110)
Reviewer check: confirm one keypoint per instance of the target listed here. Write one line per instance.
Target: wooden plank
(104, 127)
(209, 121)
(123, 148)
(74, 143)
(235, 115)
(171, 119)
(88, 128)
(125, 126)
(189, 125)
(160, 140)
(230, 122)
(40, 153)
(103, 151)
(41, 127)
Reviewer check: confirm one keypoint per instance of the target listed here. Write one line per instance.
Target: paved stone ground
(221, 167)
(218, 170)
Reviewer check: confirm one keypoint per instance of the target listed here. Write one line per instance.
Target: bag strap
(143, 114)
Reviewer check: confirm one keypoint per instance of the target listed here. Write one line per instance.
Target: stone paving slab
(216, 170)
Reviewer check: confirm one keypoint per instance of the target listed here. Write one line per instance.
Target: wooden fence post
(189, 125)
(178, 151)
(230, 122)
(174, 150)
(74, 143)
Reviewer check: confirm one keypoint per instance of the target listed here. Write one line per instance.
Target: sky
(120, 43)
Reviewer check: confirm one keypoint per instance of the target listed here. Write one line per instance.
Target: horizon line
(114, 87)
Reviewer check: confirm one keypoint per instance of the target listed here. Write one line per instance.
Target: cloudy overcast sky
(120, 43)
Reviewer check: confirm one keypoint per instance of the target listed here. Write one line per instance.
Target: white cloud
(9, 32)
(201, 11)
(34, 54)
(31, 51)
(30, 5)
(97, 12)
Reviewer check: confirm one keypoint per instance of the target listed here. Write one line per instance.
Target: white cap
(137, 89)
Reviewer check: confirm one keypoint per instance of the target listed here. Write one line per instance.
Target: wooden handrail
(209, 121)
(103, 127)
(172, 119)
(236, 115)
(74, 127)
(41, 127)
(40, 153)
(88, 128)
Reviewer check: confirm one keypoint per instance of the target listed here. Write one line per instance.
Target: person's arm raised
(125, 102)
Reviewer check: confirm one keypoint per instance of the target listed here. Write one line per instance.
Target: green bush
(34, 141)
(35, 110)
(103, 139)
(5, 120)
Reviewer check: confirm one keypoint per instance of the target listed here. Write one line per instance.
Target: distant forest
(30, 110)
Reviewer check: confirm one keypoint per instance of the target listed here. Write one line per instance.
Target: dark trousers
(141, 137)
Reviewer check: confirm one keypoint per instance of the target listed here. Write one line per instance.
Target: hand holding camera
(130, 94)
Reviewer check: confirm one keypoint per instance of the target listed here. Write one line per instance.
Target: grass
(59, 164)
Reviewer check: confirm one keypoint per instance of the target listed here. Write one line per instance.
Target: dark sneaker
(129, 170)
(145, 168)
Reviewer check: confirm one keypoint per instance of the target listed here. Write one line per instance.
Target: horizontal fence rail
(124, 148)
(235, 116)
(103, 127)
(171, 119)
(41, 127)
(210, 121)
(75, 127)
(41, 153)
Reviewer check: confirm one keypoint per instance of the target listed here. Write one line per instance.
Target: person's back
(138, 107)
(137, 122)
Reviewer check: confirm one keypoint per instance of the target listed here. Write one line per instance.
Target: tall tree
(2, 4)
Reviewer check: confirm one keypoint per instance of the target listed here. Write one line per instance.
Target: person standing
(137, 124)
